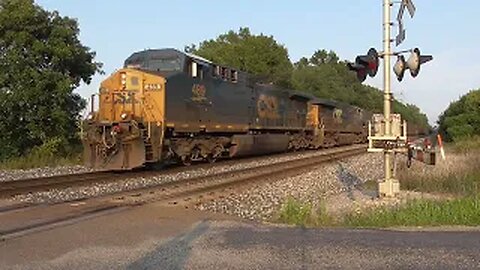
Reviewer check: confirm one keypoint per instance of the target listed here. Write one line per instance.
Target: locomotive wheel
(186, 160)
(210, 158)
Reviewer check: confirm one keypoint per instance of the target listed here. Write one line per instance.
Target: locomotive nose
(130, 116)
(131, 94)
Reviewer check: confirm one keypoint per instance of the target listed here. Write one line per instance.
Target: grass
(419, 212)
(465, 145)
(304, 214)
(34, 161)
(49, 154)
(463, 211)
(462, 184)
(458, 178)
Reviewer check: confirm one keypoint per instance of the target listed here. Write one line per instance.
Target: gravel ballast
(263, 201)
(98, 189)
(12, 175)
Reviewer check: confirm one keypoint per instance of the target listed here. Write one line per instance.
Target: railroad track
(17, 187)
(186, 191)
(29, 185)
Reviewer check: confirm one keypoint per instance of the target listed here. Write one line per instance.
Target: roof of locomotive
(150, 54)
(325, 102)
(162, 54)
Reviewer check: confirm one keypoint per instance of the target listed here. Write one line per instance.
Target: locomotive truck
(166, 105)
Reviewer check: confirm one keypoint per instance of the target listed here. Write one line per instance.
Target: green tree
(462, 117)
(255, 54)
(323, 57)
(41, 62)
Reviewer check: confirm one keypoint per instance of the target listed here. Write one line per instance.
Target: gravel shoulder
(338, 186)
(261, 202)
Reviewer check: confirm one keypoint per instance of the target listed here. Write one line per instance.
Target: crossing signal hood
(365, 65)
(413, 64)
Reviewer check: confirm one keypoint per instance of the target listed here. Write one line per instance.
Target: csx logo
(199, 92)
(124, 98)
(267, 107)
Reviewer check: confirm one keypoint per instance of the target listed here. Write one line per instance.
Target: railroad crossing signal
(388, 137)
(365, 64)
(413, 64)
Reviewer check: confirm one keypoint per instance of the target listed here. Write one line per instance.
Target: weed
(304, 214)
(294, 212)
(462, 211)
(466, 145)
(47, 154)
(465, 184)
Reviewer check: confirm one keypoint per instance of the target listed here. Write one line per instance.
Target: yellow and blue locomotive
(169, 105)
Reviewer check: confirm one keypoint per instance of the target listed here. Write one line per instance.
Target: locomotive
(166, 105)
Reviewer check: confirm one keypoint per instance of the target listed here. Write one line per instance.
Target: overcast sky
(449, 30)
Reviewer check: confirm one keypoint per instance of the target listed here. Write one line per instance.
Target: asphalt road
(245, 246)
(155, 237)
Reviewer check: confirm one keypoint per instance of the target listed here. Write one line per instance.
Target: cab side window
(225, 74)
(234, 76)
(196, 70)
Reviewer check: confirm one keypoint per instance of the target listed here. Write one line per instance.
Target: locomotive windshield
(156, 64)
(163, 60)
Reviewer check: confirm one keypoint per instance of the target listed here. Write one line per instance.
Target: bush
(462, 118)
(54, 152)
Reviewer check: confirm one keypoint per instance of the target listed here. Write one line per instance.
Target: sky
(446, 29)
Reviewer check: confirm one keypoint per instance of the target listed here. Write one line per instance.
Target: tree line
(41, 63)
(461, 120)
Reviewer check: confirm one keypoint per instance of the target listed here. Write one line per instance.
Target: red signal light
(365, 64)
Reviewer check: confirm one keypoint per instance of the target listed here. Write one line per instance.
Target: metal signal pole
(388, 135)
(390, 186)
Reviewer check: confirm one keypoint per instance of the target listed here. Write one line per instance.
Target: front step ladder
(148, 146)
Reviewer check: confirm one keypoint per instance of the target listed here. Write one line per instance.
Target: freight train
(166, 105)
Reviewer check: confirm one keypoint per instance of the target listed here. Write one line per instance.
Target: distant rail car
(168, 105)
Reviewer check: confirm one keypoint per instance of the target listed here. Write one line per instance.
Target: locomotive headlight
(123, 77)
(124, 116)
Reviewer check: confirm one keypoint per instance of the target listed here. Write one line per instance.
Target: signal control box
(378, 138)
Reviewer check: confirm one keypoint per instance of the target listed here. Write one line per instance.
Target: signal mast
(390, 135)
